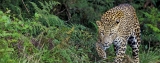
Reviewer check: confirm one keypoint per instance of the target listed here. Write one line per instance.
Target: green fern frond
(37, 9)
(152, 16)
(46, 7)
(154, 28)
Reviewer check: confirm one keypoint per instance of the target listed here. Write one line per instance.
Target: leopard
(119, 26)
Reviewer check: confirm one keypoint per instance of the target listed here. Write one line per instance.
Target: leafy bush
(14, 38)
(44, 38)
(151, 29)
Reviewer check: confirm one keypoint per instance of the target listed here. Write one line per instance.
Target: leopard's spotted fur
(119, 26)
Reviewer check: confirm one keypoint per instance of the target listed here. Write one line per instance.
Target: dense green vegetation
(64, 31)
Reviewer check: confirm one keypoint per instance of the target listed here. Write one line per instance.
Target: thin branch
(68, 13)
(25, 7)
(60, 12)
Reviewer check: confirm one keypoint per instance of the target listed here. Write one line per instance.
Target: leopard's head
(104, 35)
(108, 27)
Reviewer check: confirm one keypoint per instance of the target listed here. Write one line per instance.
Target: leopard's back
(125, 15)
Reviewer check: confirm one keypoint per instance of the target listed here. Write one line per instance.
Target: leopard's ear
(98, 23)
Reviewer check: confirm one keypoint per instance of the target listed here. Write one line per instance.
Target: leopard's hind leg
(132, 41)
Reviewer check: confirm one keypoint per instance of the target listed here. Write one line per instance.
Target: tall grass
(150, 56)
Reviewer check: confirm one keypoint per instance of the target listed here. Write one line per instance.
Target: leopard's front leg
(100, 50)
(120, 45)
